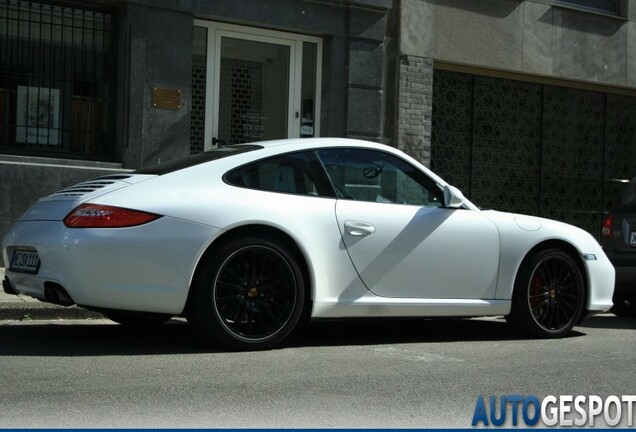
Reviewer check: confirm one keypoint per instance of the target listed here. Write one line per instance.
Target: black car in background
(618, 238)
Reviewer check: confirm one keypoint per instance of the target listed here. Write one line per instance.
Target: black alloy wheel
(549, 295)
(250, 294)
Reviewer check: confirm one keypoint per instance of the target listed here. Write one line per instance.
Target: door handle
(358, 228)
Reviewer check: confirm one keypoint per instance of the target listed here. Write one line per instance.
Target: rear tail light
(606, 231)
(101, 216)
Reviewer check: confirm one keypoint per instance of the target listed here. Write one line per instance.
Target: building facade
(525, 105)
(528, 106)
(90, 88)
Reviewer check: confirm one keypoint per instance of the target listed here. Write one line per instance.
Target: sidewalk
(21, 308)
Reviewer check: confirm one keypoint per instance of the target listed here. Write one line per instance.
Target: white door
(400, 239)
(260, 84)
(419, 252)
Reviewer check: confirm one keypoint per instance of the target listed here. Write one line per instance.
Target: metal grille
(199, 71)
(550, 151)
(55, 81)
(197, 119)
(240, 116)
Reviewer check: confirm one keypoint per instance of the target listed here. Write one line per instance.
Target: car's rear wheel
(549, 295)
(137, 319)
(249, 294)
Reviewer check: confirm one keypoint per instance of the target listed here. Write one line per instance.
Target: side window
(295, 173)
(369, 175)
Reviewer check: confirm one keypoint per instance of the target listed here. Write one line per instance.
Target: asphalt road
(407, 373)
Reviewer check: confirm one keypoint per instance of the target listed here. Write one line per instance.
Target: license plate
(632, 238)
(25, 261)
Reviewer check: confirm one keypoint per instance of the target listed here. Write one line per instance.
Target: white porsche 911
(250, 241)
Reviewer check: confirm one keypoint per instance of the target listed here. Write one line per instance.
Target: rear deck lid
(56, 206)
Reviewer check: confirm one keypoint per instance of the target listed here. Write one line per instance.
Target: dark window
(56, 90)
(295, 173)
(604, 6)
(627, 201)
(368, 175)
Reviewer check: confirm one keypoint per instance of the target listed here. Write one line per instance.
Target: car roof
(305, 143)
(274, 147)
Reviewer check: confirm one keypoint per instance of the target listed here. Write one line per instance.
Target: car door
(400, 238)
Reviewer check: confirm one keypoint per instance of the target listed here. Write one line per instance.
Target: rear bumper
(146, 268)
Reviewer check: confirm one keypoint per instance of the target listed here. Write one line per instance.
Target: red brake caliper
(536, 287)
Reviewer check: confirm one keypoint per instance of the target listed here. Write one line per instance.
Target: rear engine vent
(90, 186)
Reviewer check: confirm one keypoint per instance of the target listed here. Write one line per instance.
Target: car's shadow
(95, 338)
(609, 321)
(404, 330)
(86, 338)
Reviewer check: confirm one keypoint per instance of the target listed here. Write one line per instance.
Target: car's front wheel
(549, 294)
(249, 294)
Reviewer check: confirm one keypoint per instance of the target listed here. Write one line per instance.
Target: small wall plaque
(166, 98)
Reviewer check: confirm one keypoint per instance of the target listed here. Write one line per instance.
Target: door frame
(217, 30)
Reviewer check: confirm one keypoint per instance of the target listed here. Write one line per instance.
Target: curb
(23, 311)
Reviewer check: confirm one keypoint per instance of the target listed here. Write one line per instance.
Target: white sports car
(250, 241)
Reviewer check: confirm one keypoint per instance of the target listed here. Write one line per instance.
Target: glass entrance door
(260, 84)
(254, 90)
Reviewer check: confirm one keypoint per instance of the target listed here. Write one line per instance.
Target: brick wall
(415, 107)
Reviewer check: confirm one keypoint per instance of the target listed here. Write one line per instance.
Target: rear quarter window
(297, 173)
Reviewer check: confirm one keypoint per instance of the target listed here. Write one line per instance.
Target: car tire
(624, 307)
(549, 295)
(249, 294)
(136, 319)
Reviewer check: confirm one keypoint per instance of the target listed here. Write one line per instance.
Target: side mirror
(453, 197)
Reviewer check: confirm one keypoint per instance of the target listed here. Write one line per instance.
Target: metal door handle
(358, 228)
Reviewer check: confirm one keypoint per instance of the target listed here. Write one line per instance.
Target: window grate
(56, 75)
